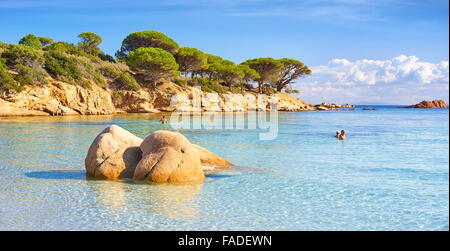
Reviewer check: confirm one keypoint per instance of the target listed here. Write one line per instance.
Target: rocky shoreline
(333, 107)
(60, 98)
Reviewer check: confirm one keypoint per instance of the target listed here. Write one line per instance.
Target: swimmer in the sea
(163, 120)
(337, 134)
(342, 135)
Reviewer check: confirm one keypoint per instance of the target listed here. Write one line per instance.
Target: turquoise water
(391, 174)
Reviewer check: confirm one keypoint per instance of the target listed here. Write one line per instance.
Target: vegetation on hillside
(144, 59)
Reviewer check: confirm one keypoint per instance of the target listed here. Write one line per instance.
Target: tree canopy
(90, 42)
(267, 68)
(32, 41)
(292, 69)
(45, 41)
(249, 73)
(226, 71)
(190, 59)
(153, 63)
(147, 39)
(66, 48)
(151, 55)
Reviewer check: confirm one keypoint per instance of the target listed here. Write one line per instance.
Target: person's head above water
(337, 133)
(342, 132)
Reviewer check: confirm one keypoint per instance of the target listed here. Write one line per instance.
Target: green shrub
(266, 89)
(116, 97)
(89, 70)
(215, 87)
(110, 72)
(66, 48)
(73, 69)
(127, 82)
(180, 82)
(24, 55)
(30, 76)
(123, 80)
(3, 47)
(106, 57)
(98, 78)
(62, 67)
(7, 82)
(237, 90)
(207, 85)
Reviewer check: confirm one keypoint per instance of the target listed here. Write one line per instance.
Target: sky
(360, 51)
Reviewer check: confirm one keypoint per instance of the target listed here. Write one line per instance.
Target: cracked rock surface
(168, 157)
(114, 154)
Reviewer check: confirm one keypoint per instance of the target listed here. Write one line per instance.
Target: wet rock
(209, 159)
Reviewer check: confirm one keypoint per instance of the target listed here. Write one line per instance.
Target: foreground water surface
(391, 174)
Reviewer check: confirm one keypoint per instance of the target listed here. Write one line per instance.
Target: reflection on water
(111, 194)
(168, 200)
(174, 201)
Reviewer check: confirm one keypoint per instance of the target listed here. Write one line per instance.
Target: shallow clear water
(391, 174)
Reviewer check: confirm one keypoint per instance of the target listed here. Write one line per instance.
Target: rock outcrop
(332, 107)
(134, 102)
(210, 160)
(429, 104)
(12, 109)
(163, 156)
(289, 103)
(168, 157)
(114, 154)
(61, 98)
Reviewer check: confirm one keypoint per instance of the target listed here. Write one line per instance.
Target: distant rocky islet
(438, 103)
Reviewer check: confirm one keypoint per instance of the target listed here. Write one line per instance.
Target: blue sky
(315, 32)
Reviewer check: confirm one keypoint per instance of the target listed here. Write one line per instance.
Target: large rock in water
(429, 104)
(114, 154)
(209, 159)
(168, 157)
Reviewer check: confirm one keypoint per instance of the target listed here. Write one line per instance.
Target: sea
(392, 173)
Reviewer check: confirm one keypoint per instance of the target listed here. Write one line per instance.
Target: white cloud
(402, 69)
(401, 80)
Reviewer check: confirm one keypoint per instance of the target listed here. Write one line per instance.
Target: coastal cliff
(58, 97)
